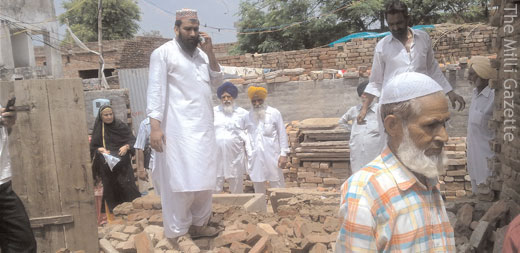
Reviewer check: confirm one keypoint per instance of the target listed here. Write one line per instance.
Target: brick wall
(450, 42)
(506, 116)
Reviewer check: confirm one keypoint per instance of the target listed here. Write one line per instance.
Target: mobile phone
(201, 39)
(10, 104)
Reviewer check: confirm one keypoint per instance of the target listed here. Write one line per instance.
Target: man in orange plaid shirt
(394, 203)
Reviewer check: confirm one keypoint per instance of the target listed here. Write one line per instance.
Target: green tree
(296, 20)
(120, 19)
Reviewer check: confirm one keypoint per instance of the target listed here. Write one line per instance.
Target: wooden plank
(324, 159)
(32, 161)
(312, 150)
(324, 143)
(70, 140)
(322, 155)
(328, 131)
(53, 220)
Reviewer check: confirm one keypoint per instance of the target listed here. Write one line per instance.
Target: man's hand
(454, 97)
(361, 116)
(282, 161)
(8, 118)
(207, 45)
(156, 135)
(124, 149)
(157, 139)
(142, 175)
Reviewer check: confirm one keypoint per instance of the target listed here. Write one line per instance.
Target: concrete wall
(299, 100)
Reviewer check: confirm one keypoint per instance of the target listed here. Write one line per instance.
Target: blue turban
(229, 88)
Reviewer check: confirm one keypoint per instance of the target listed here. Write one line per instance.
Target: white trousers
(236, 185)
(260, 186)
(184, 209)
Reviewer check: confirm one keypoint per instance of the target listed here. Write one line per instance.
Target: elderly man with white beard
(231, 141)
(268, 139)
(394, 202)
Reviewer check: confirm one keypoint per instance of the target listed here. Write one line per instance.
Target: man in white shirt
(16, 234)
(231, 141)
(268, 138)
(365, 142)
(144, 156)
(182, 133)
(480, 112)
(404, 50)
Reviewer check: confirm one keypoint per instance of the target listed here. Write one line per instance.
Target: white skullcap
(406, 86)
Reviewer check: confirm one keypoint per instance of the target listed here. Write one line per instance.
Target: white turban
(406, 86)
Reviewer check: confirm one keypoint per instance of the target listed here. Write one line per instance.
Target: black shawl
(117, 134)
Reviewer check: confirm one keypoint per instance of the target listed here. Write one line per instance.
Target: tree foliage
(299, 27)
(120, 19)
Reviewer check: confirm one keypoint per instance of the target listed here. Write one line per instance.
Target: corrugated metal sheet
(136, 81)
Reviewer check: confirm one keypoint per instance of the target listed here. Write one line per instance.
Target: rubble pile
(296, 225)
(319, 153)
(479, 225)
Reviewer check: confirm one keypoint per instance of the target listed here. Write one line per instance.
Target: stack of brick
(320, 157)
(319, 153)
(455, 181)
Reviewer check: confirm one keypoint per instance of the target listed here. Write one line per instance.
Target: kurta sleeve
(157, 84)
(348, 116)
(282, 135)
(377, 74)
(434, 71)
(216, 78)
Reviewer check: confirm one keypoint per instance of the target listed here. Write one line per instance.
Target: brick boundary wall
(450, 42)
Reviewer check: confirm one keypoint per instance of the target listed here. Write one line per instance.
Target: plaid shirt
(385, 208)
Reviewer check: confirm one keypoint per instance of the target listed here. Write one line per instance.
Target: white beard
(259, 112)
(229, 108)
(415, 159)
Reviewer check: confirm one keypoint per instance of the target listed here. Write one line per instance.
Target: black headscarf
(117, 134)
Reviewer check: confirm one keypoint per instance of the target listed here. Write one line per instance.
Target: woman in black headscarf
(112, 136)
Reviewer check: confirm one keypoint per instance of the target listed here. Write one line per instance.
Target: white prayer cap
(406, 86)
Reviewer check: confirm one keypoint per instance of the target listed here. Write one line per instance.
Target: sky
(155, 15)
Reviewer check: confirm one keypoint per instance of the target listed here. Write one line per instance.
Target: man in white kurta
(480, 112)
(404, 50)
(182, 133)
(268, 138)
(365, 141)
(231, 141)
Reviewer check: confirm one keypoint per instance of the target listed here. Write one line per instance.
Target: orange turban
(260, 92)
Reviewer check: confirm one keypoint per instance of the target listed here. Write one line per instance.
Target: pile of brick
(455, 181)
(319, 153)
(479, 225)
(295, 226)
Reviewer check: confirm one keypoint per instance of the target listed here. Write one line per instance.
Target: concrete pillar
(52, 53)
(6, 50)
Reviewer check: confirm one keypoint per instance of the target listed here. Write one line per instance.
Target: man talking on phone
(16, 234)
(179, 105)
